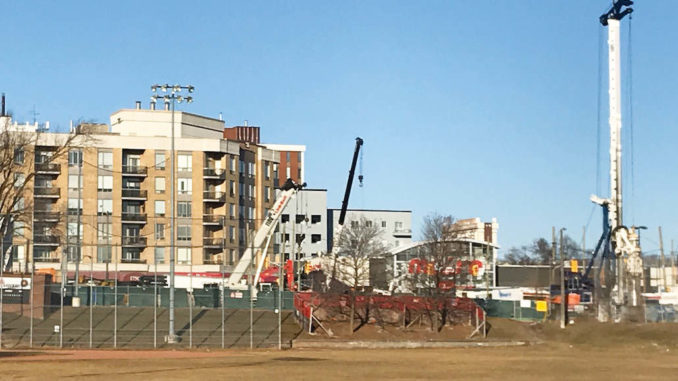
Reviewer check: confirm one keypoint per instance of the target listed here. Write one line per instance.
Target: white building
(304, 224)
(395, 224)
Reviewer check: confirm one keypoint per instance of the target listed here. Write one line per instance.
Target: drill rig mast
(620, 261)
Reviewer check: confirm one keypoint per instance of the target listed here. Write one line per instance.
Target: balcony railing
(47, 259)
(133, 217)
(47, 168)
(45, 239)
(46, 192)
(47, 216)
(133, 241)
(134, 193)
(134, 170)
(212, 219)
(132, 260)
(213, 242)
(209, 196)
(214, 173)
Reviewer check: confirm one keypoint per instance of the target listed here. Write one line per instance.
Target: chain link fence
(127, 316)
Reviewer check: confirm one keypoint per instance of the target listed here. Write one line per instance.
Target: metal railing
(134, 193)
(133, 217)
(212, 196)
(45, 191)
(47, 167)
(133, 241)
(134, 170)
(214, 173)
(213, 242)
(212, 219)
(47, 216)
(46, 239)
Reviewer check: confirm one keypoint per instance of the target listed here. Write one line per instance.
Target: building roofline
(168, 111)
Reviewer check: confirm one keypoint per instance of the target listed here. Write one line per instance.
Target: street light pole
(563, 294)
(173, 97)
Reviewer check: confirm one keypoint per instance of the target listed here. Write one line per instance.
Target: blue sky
(468, 108)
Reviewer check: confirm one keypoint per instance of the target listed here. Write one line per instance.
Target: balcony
(213, 242)
(46, 240)
(135, 194)
(134, 218)
(214, 174)
(45, 192)
(214, 196)
(48, 168)
(134, 170)
(210, 219)
(134, 241)
(47, 216)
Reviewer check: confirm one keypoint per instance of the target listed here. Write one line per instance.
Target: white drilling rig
(618, 276)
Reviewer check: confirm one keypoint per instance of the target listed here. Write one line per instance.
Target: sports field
(535, 362)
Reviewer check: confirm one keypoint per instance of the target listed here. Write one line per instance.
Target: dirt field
(585, 351)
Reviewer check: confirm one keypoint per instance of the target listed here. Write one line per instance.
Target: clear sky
(468, 108)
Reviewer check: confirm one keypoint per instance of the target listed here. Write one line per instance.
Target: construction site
(250, 271)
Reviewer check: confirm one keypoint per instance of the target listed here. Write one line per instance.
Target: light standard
(172, 97)
(91, 295)
(563, 294)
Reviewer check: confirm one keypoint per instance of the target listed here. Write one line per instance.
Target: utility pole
(663, 260)
(563, 294)
(552, 263)
(78, 232)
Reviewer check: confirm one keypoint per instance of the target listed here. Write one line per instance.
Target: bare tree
(24, 150)
(357, 243)
(442, 266)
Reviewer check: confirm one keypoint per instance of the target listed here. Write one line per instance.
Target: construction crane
(347, 193)
(623, 270)
(262, 238)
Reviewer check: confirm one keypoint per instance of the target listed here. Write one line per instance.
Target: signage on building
(15, 283)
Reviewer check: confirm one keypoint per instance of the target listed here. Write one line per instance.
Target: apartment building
(291, 156)
(303, 225)
(110, 198)
(396, 225)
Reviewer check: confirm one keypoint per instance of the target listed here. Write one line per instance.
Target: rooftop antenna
(35, 114)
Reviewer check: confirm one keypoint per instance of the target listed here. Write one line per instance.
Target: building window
(104, 254)
(267, 170)
(18, 156)
(104, 207)
(267, 191)
(159, 255)
(285, 218)
(231, 210)
(74, 158)
(73, 230)
(184, 255)
(398, 226)
(73, 182)
(184, 162)
(19, 179)
(19, 228)
(185, 186)
(183, 209)
(315, 218)
(74, 206)
(299, 174)
(368, 223)
(105, 184)
(298, 156)
(288, 172)
(287, 158)
(105, 160)
(231, 188)
(355, 224)
(104, 231)
(160, 160)
(159, 185)
(232, 164)
(159, 232)
(299, 218)
(315, 238)
(383, 224)
(159, 207)
(184, 232)
(231, 233)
